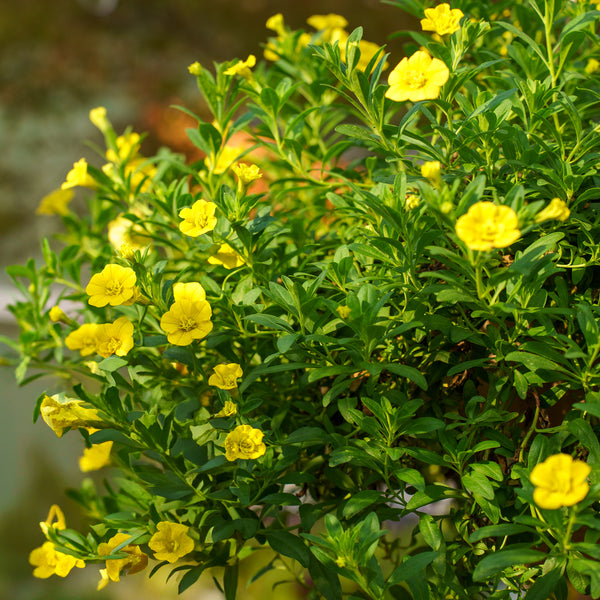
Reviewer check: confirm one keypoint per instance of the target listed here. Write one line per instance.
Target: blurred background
(57, 60)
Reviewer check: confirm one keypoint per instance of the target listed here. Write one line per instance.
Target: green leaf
(270, 321)
(112, 363)
(544, 586)
(410, 373)
(431, 532)
(494, 564)
(360, 501)
(325, 579)
(410, 567)
(501, 530)
(289, 545)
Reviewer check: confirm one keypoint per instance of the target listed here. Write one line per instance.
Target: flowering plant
(362, 331)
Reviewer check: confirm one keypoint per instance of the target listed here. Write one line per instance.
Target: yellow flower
(57, 314)
(329, 24)
(275, 23)
(198, 219)
(114, 285)
(242, 67)
(367, 52)
(134, 562)
(432, 170)
(127, 147)
(115, 338)
(557, 209)
(192, 291)
(244, 442)
(560, 481)
(62, 415)
(411, 201)
(96, 457)
(487, 226)
(84, 339)
(442, 20)
(123, 231)
(229, 409)
(78, 176)
(225, 376)
(418, 77)
(227, 257)
(195, 68)
(55, 512)
(98, 118)
(171, 541)
(55, 203)
(227, 156)
(187, 321)
(49, 561)
(343, 311)
(592, 66)
(247, 173)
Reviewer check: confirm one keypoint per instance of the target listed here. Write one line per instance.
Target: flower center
(187, 323)
(114, 288)
(112, 345)
(416, 79)
(200, 220)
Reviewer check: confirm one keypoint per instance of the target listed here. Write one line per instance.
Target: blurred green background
(58, 59)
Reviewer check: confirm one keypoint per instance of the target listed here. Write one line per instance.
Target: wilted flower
(487, 226)
(560, 481)
(557, 209)
(78, 176)
(198, 219)
(115, 338)
(114, 285)
(49, 561)
(60, 523)
(66, 414)
(134, 562)
(442, 20)
(55, 203)
(416, 78)
(225, 376)
(244, 442)
(171, 541)
(227, 257)
(242, 67)
(84, 339)
(229, 409)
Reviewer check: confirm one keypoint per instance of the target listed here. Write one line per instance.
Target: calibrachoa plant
(377, 290)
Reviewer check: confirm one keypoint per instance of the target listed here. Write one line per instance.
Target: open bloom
(55, 203)
(418, 77)
(63, 415)
(79, 176)
(171, 541)
(114, 285)
(187, 321)
(242, 67)
(134, 562)
(83, 339)
(227, 257)
(244, 442)
(487, 226)
(225, 376)
(557, 209)
(560, 481)
(49, 561)
(198, 219)
(115, 338)
(442, 20)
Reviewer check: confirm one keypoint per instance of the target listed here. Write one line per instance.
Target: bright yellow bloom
(57, 314)
(247, 173)
(62, 415)
(275, 23)
(242, 67)
(55, 512)
(192, 291)
(557, 209)
(114, 285)
(229, 409)
(55, 203)
(171, 541)
(592, 66)
(84, 339)
(187, 321)
(98, 118)
(432, 170)
(411, 201)
(487, 226)
(127, 148)
(227, 156)
(49, 561)
(416, 78)
(195, 68)
(115, 338)
(134, 562)
(198, 219)
(327, 24)
(96, 457)
(244, 442)
(560, 481)
(227, 257)
(343, 311)
(442, 20)
(225, 376)
(78, 176)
